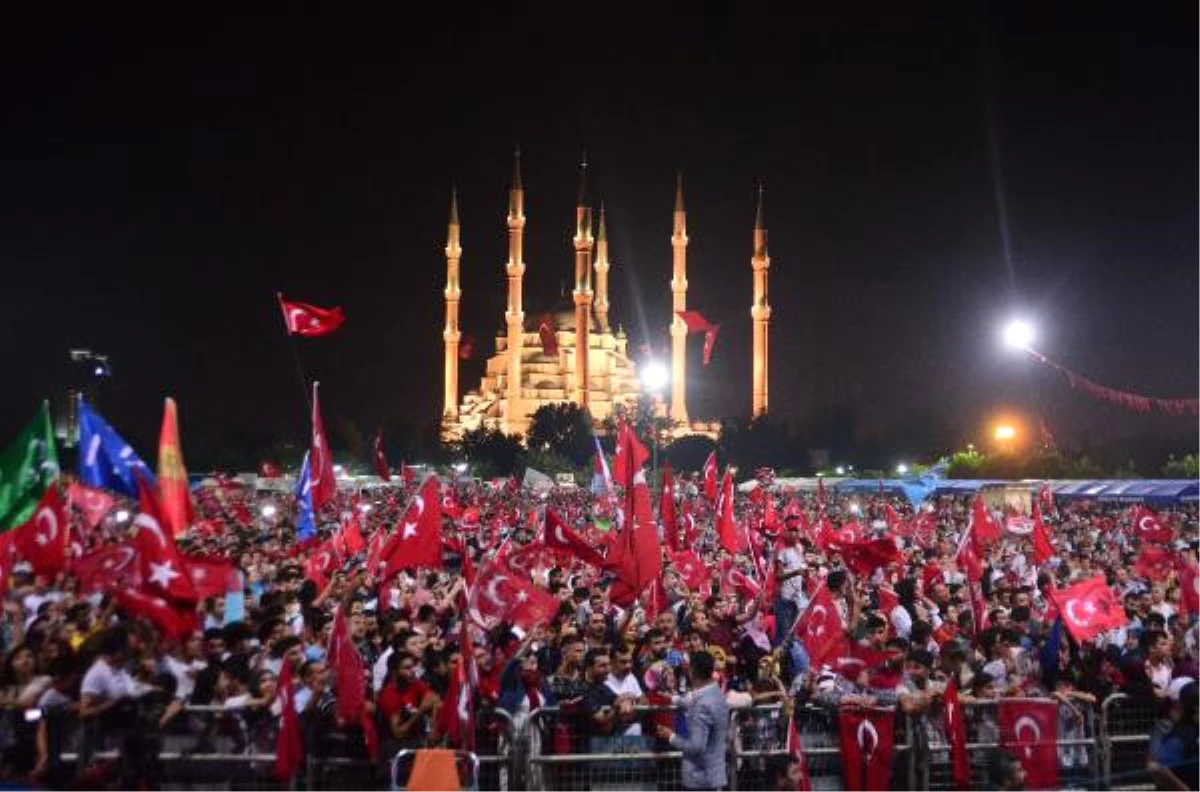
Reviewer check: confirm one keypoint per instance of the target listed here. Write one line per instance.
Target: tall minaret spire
(451, 334)
(602, 268)
(760, 311)
(514, 316)
(583, 286)
(679, 331)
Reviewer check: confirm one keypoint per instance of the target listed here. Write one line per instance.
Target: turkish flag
(161, 568)
(1189, 586)
(986, 528)
(466, 348)
(630, 457)
(322, 562)
(173, 494)
(547, 336)
(710, 340)
(499, 595)
(796, 752)
(695, 321)
(417, 541)
(351, 535)
(42, 539)
(1030, 730)
(380, 459)
(866, 742)
(109, 566)
(857, 658)
(865, 557)
(924, 528)
(558, 536)
(289, 743)
(726, 526)
(690, 568)
(303, 319)
(94, 503)
(524, 560)
(211, 577)
(967, 557)
(1148, 528)
(821, 629)
(349, 671)
(640, 562)
(173, 621)
(375, 547)
(956, 734)
(666, 508)
(1043, 550)
(324, 485)
(1154, 563)
(1089, 608)
(710, 477)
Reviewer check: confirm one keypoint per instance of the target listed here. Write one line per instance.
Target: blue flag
(305, 527)
(1048, 659)
(105, 459)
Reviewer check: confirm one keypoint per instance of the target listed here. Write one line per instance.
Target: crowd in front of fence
(854, 642)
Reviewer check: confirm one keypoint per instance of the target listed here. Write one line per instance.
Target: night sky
(162, 178)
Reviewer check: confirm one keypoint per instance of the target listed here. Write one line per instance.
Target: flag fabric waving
(161, 568)
(666, 509)
(867, 746)
(695, 321)
(1189, 586)
(1043, 550)
(42, 539)
(1148, 528)
(380, 458)
(303, 319)
(558, 536)
(289, 743)
(174, 622)
(631, 455)
(821, 629)
(726, 526)
(105, 459)
(499, 594)
(95, 504)
(956, 734)
(710, 477)
(710, 340)
(1089, 608)
(796, 753)
(1030, 729)
(110, 566)
(306, 527)
(987, 529)
(417, 541)
(547, 336)
(173, 493)
(324, 486)
(27, 467)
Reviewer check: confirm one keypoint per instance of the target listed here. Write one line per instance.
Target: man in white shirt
(106, 682)
(789, 577)
(622, 681)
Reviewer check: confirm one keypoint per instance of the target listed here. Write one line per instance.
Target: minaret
(451, 333)
(760, 312)
(679, 331)
(602, 267)
(514, 316)
(583, 286)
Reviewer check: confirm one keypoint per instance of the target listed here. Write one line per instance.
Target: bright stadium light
(654, 376)
(1018, 334)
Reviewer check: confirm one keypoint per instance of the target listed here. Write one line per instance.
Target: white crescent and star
(145, 522)
(816, 626)
(865, 729)
(1026, 722)
(162, 574)
(47, 517)
(490, 591)
(1089, 609)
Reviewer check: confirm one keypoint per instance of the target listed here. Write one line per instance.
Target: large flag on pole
(105, 459)
(173, 495)
(27, 467)
(303, 319)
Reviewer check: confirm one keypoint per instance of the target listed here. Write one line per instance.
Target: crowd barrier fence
(553, 748)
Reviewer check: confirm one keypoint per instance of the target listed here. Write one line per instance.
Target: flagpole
(296, 357)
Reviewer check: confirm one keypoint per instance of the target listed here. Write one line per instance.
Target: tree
(1186, 468)
(564, 430)
(490, 452)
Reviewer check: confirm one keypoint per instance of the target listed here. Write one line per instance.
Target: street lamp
(655, 377)
(901, 469)
(1018, 334)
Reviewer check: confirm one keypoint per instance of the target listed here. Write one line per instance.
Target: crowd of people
(717, 624)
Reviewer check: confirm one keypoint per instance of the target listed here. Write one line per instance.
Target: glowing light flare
(654, 376)
(1005, 432)
(1018, 334)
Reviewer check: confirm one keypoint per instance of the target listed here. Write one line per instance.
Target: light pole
(655, 377)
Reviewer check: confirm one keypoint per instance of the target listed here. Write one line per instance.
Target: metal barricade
(565, 752)
(1079, 752)
(758, 747)
(466, 761)
(495, 743)
(1126, 726)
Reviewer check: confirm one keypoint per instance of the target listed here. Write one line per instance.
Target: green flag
(27, 466)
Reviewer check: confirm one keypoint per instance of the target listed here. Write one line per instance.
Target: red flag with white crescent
(161, 568)
(710, 477)
(796, 752)
(94, 503)
(1189, 585)
(499, 594)
(42, 539)
(380, 458)
(324, 486)
(303, 319)
(726, 525)
(1089, 608)
(1148, 528)
(289, 742)
(1030, 730)
(109, 566)
(558, 536)
(710, 340)
(666, 508)
(821, 629)
(956, 734)
(867, 747)
(417, 540)
(1043, 550)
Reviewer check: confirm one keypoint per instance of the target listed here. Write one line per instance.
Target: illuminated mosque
(577, 356)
